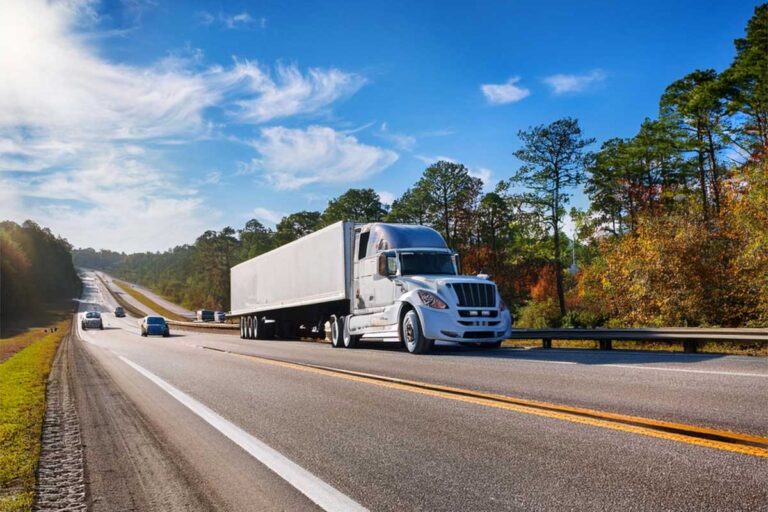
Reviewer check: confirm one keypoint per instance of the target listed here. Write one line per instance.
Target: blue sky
(137, 125)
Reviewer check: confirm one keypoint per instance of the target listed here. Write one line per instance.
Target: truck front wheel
(412, 334)
(337, 331)
(350, 340)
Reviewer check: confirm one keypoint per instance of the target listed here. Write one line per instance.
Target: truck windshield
(415, 263)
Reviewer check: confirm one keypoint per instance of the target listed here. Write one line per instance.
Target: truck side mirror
(456, 262)
(387, 264)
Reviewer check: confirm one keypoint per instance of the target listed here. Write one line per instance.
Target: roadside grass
(704, 347)
(154, 306)
(23, 330)
(23, 379)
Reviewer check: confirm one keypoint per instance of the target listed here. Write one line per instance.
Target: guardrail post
(689, 346)
(606, 345)
(546, 343)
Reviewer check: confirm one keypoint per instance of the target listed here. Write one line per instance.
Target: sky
(136, 125)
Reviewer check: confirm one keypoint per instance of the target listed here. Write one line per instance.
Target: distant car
(154, 325)
(119, 312)
(91, 319)
(220, 316)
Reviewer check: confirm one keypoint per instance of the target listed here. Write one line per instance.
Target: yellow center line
(690, 434)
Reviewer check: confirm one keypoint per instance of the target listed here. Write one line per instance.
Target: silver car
(91, 320)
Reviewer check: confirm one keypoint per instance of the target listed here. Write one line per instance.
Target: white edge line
(322, 494)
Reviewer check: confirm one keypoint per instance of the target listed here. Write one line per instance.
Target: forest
(676, 233)
(36, 271)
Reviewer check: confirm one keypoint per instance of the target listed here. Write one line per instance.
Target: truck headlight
(431, 300)
(502, 304)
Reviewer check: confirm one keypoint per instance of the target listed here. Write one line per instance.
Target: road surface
(157, 299)
(202, 421)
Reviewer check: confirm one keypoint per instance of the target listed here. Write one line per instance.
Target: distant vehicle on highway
(91, 319)
(386, 282)
(154, 325)
(205, 315)
(220, 316)
(119, 312)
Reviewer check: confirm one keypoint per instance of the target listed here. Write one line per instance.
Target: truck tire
(350, 341)
(337, 331)
(242, 327)
(249, 328)
(412, 334)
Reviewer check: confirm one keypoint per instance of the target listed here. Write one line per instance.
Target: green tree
(254, 239)
(554, 161)
(746, 81)
(296, 225)
(695, 103)
(410, 208)
(356, 204)
(215, 254)
(451, 196)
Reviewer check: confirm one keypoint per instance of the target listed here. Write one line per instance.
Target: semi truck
(385, 282)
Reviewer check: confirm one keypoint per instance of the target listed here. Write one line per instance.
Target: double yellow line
(711, 438)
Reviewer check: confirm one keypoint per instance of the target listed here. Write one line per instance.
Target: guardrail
(689, 336)
(204, 325)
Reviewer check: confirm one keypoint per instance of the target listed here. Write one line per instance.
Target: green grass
(23, 379)
(154, 306)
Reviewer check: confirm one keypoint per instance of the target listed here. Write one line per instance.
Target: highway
(202, 421)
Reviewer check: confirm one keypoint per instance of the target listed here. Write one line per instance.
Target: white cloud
(563, 83)
(401, 141)
(485, 175)
(429, 160)
(292, 158)
(289, 92)
(110, 201)
(508, 92)
(268, 216)
(386, 197)
(212, 178)
(230, 21)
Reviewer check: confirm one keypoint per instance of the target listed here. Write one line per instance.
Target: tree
(746, 81)
(450, 195)
(295, 226)
(215, 252)
(554, 161)
(410, 208)
(356, 204)
(255, 239)
(695, 102)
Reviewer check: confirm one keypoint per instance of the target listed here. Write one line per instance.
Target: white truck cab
(407, 288)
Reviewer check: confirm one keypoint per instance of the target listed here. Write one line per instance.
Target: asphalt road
(176, 426)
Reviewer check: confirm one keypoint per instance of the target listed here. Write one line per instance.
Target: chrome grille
(475, 295)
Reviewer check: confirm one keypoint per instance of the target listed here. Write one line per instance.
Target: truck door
(383, 284)
(363, 290)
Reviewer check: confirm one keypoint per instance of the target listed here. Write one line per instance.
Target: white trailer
(385, 282)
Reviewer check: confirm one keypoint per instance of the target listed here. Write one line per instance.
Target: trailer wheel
(350, 341)
(242, 327)
(250, 328)
(337, 331)
(412, 334)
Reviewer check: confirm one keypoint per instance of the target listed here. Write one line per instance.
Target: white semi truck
(384, 282)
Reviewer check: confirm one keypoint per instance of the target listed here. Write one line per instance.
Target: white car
(91, 320)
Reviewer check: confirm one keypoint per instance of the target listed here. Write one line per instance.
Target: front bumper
(448, 325)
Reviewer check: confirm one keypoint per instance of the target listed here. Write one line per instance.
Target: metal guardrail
(689, 336)
(204, 325)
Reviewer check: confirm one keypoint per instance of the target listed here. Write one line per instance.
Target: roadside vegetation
(23, 378)
(676, 232)
(154, 306)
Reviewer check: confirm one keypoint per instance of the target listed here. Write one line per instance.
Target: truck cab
(406, 287)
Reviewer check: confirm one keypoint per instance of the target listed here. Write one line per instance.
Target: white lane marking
(638, 367)
(322, 494)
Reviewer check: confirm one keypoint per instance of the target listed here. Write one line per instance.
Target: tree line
(676, 232)
(36, 271)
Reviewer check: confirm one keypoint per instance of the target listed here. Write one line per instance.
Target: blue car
(154, 325)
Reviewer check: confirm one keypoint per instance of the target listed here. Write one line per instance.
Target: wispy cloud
(565, 83)
(402, 141)
(268, 216)
(429, 160)
(484, 174)
(230, 21)
(286, 92)
(508, 92)
(293, 158)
